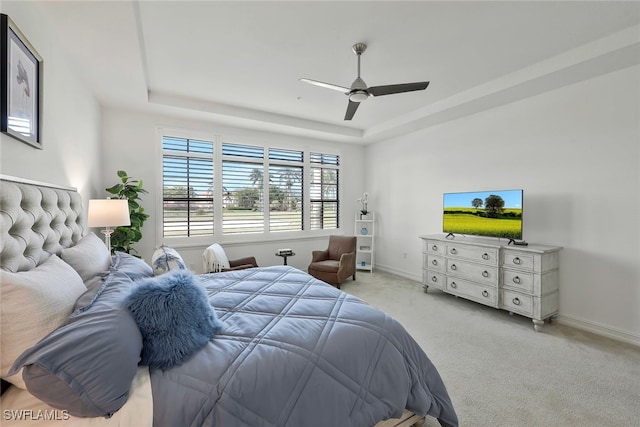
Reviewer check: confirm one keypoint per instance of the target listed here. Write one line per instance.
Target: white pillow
(88, 257)
(33, 304)
(165, 259)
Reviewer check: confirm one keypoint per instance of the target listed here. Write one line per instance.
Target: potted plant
(124, 236)
(364, 201)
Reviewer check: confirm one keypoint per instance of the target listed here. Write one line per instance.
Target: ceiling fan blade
(391, 89)
(351, 110)
(326, 85)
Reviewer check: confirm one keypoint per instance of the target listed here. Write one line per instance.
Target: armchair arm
(243, 261)
(347, 264)
(239, 267)
(319, 255)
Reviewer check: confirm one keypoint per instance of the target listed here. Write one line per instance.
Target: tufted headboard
(36, 220)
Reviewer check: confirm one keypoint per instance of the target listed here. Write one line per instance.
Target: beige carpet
(499, 372)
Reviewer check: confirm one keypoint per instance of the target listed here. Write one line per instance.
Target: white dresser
(520, 279)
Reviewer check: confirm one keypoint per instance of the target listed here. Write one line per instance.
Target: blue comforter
(294, 351)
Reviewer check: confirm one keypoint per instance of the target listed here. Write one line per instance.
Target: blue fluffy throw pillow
(174, 316)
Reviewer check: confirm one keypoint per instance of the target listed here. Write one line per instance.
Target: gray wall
(71, 117)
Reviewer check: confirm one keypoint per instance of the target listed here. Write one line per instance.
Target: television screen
(484, 213)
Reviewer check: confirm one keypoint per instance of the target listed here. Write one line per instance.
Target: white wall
(71, 117)
(574, 151)
(132, 143)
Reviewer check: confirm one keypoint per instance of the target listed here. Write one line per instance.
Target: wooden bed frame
(51, 218)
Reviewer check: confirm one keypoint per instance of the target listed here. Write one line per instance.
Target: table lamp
(108, 213)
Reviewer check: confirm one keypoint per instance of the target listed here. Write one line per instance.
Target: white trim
(600, 329)
(38, 183)
(575, 322)
(397, 272)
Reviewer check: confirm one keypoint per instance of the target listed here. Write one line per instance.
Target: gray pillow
(87, 365)
(133, 267)
(130, 265)
(88, 257)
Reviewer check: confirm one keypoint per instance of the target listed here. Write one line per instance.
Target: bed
(288, 349)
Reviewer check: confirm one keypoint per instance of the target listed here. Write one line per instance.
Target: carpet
(500, 372)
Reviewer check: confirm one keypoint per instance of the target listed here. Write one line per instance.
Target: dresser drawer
(435, 262)
(477, 272)
(482, 255)
(487, 295)
(518, 279)
(434, 247)
(519, 260)
(517, 302)
(433, 279)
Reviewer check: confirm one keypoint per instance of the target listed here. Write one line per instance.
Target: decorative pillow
(34, 303)
(87, 366)
(165, 259)
(88, 257)
(174, 317)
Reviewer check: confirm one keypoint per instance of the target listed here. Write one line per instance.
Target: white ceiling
(239, 62)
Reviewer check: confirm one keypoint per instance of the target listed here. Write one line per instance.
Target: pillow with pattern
(165, 259)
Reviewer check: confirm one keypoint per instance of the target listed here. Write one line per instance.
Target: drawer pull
(517, 261)
(434, 262)
(516, 280)
(453, 267)
(485, 256)
(485, 273)
(453, 251)
(434, 279)
(434, 247)
(485, 294)
(453, 285)
(516, 301)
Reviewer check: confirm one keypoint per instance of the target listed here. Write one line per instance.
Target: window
(285, 190)
(187, 187)
(324, 191)
(242, 189)
(259, 189)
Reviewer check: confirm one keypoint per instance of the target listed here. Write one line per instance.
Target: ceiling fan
(359, 91)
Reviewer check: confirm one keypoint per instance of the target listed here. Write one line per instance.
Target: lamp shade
(108, 213)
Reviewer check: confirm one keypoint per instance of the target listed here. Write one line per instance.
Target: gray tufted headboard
(36, 220)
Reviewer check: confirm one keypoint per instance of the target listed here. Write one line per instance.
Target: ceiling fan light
(358, 96)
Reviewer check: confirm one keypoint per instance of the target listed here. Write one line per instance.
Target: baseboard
(600, 329)
(575, 322)
(400, 273)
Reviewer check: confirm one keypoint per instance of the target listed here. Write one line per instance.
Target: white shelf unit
(365, 241)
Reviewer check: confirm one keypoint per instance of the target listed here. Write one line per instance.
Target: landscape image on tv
(484, 213)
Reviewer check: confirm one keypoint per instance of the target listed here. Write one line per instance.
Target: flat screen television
(484, 213)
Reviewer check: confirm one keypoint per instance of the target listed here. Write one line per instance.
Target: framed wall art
(21, 80)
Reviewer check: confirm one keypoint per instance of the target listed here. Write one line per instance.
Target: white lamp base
(107, 237)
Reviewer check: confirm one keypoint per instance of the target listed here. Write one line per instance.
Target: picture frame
(21, 81)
